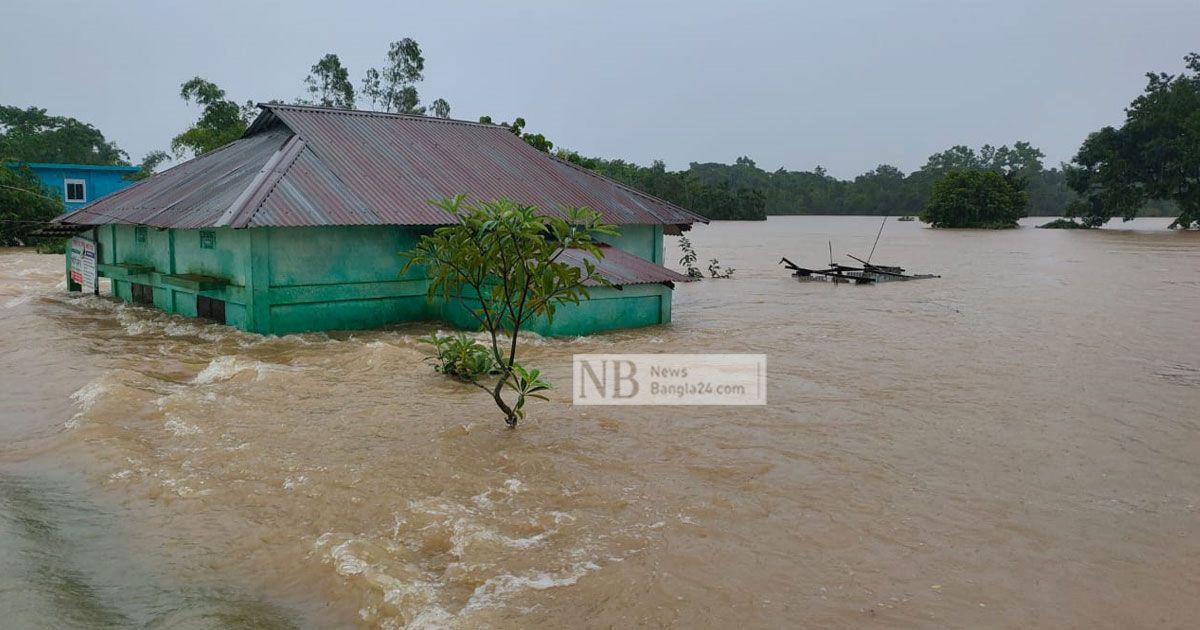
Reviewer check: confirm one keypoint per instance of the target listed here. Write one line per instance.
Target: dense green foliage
(31, 135)
(712, 190)
(461, 357)
(976, 199)
(502, 259)
(1155, 154)
(743, 191)
(221, 120)
(24, 203)
(517, 128)
(885, 190)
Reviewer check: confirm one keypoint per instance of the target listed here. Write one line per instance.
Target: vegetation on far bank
(1147, 167)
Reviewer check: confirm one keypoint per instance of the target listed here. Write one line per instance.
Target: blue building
(81, 184)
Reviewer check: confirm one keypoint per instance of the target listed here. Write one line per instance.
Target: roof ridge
(244, 207)
(378, 114)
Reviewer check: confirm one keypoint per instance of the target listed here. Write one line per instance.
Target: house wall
(343, 278)
(99, 180)
(288, 280)
(172, 253)
(645, 241)
(608, 309)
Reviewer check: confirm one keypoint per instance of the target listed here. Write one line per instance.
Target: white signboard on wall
(83, 263)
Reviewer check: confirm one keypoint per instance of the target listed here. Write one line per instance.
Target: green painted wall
(608, 309)
(343, 278)
(645, 241)
(286, 280)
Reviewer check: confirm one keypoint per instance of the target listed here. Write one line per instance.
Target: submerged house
(299, 224)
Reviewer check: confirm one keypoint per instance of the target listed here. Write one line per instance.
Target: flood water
(1016, 444)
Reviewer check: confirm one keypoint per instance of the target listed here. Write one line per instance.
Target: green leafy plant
(501, 259)
(460, 356)
(689, 258)
(689, 262)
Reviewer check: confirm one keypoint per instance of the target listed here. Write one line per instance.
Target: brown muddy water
(1016, 444)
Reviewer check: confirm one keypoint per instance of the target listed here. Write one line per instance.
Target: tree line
(1149, 166)
(742, 190)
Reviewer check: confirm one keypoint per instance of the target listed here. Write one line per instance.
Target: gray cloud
(847, 85)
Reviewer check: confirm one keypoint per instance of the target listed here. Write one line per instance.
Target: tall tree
(441, 108)
(31, 135)
(394, 86)
(329, 85)
(221, 120)
(1155, 154)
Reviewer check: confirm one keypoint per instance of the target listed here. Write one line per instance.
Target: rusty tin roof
(310, 166)
(621, 267)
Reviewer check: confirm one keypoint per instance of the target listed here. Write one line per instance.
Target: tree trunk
(510, 416)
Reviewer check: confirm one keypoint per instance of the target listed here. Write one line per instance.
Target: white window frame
(67, 189)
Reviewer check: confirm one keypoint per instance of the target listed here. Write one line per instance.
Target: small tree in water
(502, 260)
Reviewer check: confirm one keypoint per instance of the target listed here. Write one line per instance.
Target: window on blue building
(76, 190)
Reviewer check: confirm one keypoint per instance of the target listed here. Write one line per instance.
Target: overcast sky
(846, 84)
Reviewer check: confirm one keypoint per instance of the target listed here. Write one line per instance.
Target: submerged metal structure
(843, 274)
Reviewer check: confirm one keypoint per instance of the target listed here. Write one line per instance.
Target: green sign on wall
(208, 239)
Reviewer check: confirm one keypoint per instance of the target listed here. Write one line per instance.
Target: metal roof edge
(87, 167)
(379, 114)
(64, 219)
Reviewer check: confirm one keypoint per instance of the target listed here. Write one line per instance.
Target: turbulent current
(1016, 444)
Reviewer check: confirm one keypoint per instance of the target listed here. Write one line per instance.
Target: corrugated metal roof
(305, 166)
(190, 195)
(621, 267)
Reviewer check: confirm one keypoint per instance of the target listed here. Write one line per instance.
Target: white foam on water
(464, 532)
(85, 397)
(496, 590)
(179, 427)
(17, 301)
(344, 560)
(226, 367)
